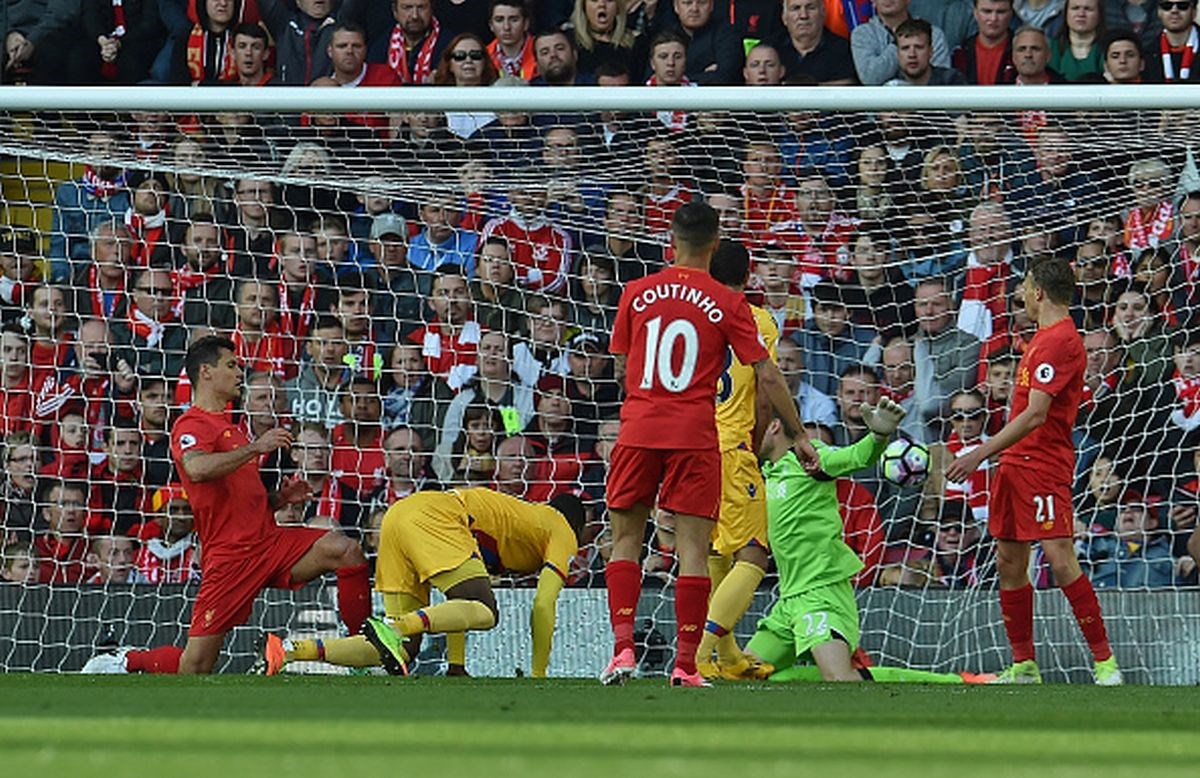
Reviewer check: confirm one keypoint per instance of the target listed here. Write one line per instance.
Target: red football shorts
(228, 586)
(685, 481)
(1025, 505)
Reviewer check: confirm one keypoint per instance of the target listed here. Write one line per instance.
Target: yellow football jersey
(516, 535)
(737, 387)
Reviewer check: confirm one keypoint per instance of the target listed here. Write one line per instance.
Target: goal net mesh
(466, 267)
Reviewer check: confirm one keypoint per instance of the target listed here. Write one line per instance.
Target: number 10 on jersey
(660, 354)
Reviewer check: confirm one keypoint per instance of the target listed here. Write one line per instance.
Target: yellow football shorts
(743, 517)
(426, 541)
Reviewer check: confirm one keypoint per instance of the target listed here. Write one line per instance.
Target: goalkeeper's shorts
(795, 625)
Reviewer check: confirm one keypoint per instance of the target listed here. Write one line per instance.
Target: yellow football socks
(449, 616)
(728, 604)
(456, 648)
(344, 652)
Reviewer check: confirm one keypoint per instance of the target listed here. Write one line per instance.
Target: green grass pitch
(308, 726)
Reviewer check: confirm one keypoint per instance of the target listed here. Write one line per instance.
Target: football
(905, 462)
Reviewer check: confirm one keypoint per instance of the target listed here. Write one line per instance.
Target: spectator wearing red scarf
(146, 332)
(204, 54)
(416, 42)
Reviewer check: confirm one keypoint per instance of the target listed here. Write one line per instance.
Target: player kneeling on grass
(453, 540)
(815, 620)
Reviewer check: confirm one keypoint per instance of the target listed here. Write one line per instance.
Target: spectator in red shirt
(449, 342)
(358, 457)
(69, 450)
(541, 251)
(986, 58)
(551, 433)
(819, 236)
(62, 548)
(101, 380)
(666, 190)
(16, 397)
(17, 519)
(766, 201)
(146, 219)
(262, 346)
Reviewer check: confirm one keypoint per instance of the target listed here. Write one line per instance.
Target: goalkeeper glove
(884, 417)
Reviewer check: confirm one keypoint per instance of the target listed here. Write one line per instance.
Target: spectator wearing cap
(590, 387)
(19, 270)
(542, 252)
(82, 205)
(559, 454)
(1136, 554)
(812, 49)
(169, 553)
(397, 304)
(441, 241)
(496, 386)
(541, 351)
(499, 302)
(595, 293)
(830, 342)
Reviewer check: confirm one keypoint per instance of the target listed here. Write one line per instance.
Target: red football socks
(1083, 601)
(354, 596)
(624, 581)
(164, 659)
(691, 609)
(1017, 607)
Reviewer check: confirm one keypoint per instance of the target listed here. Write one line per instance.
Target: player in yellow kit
(739, 542)
(452, 541)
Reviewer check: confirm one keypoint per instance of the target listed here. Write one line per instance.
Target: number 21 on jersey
(661, 343)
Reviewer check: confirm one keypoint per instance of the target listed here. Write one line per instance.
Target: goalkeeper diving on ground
(811, 632)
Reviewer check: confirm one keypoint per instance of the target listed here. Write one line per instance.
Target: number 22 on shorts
(815, 623)
(660, 353)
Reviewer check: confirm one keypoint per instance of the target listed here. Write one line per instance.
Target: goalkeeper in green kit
(812, 631)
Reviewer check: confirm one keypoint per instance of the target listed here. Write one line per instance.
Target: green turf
(225, 726)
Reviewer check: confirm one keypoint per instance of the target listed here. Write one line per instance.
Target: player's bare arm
(1017, 428)
(774, 386)
(203, 466)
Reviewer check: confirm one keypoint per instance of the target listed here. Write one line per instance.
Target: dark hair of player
(206, 351)
(571, 507)
(695, 225)
(1056, 278)
(730, 263)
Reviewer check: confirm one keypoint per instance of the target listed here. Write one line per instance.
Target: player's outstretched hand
(883, 417)
(294, 490)
(272, 440)
(962, 467)
(810, 460)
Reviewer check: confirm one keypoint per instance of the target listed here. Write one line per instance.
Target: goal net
(425, 295)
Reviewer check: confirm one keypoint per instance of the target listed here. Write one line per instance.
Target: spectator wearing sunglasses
(1171, 57)
(968, 420)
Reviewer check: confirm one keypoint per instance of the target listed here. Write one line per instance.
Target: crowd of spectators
(452, 329)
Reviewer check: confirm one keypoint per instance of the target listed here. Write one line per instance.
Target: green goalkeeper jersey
(804, 525)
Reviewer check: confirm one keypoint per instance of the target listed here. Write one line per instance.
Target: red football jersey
(1054, 364)
(233, 518)
(675, 326)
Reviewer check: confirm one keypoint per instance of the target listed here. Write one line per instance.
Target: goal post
(888, 228)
